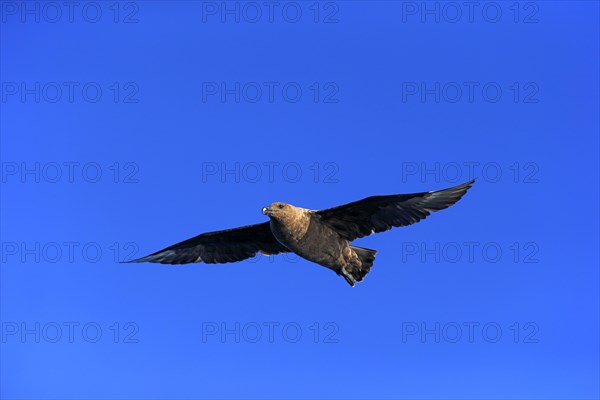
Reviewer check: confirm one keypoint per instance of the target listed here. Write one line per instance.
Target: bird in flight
(322, 236)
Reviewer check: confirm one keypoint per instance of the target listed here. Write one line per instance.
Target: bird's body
(301, 231)
(322, 237)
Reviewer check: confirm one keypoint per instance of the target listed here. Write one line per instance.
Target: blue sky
(126, 127)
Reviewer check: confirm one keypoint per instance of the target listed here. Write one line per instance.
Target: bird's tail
(366, 257)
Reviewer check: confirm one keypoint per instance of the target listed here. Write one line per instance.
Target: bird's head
(279, 210)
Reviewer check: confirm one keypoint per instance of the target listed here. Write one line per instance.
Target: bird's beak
(266, 210)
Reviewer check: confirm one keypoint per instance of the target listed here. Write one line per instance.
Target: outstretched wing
(381, 213)
(220, 247)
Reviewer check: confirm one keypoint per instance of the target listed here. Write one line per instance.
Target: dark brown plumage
(321, 236)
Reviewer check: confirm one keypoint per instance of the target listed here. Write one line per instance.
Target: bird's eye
(280, 206)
